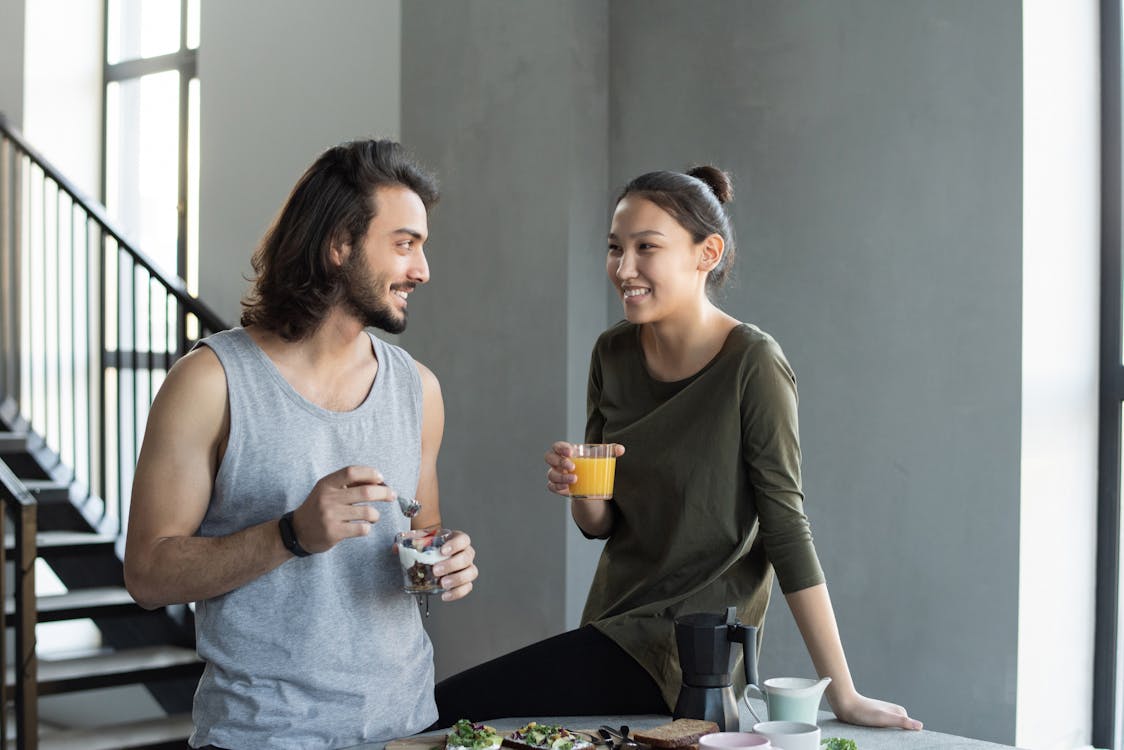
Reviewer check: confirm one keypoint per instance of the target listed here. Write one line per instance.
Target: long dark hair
(333, 202)
(695, 200)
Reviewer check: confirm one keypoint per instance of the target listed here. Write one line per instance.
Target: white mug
(790, 735)
(734, 741)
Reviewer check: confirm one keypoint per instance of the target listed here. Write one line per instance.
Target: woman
(708, 501)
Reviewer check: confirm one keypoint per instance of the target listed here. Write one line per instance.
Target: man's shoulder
(404, 358)
(197, 377)
(200, 364)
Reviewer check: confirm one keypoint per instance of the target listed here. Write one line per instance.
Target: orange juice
(595, 477)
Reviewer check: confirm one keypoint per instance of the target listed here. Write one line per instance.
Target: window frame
(1107, 667)
(184, 60)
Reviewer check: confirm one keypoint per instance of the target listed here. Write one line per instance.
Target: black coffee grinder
(708, 663)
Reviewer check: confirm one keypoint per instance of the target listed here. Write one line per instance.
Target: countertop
(864, 737)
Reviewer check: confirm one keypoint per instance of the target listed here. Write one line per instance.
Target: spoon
(410, 508)
(620, 735)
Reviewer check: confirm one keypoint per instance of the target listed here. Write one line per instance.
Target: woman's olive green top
(707, 501)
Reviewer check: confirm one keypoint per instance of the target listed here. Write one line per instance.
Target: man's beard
(362, 298)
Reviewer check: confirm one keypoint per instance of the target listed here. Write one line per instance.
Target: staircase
(88, 328)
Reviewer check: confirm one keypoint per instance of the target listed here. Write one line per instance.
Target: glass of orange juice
(595, 465)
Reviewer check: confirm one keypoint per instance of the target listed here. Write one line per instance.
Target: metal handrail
(88, 323)
(208, 317)
(17, 499)
(86, 309)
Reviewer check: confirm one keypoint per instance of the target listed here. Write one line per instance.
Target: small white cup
(734, 741)
(790, 735)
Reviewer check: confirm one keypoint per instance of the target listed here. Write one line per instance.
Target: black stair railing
(21, 505)
(89, 326)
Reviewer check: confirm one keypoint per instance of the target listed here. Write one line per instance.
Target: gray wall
(877, 157)
(11, 59)
(507, 101)
(280, 81)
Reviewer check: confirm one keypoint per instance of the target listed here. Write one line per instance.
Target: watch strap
(289, 536)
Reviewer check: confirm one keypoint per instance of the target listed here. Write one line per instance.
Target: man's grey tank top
(324, 651)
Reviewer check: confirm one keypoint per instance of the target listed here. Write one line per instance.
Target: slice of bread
(680, 733)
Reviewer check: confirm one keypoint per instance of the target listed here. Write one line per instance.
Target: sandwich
(681, 733)
(465, 735)
(537, 736)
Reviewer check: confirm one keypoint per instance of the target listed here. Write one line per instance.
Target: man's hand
(332, 511)
(458, 572)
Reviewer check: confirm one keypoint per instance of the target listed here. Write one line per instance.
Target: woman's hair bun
(717, 180)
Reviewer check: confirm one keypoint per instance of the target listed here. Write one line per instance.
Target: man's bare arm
(187, 426)
(459, 571)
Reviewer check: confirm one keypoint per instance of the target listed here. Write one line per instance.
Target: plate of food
(536, 736)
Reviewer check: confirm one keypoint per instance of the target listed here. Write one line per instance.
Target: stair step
(52, 544)
(47, 490)
(13, 442)
(108, 601)
(150, 733)
(126, 667)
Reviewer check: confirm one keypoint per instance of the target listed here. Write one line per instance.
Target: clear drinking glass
(418, 551)
(595, 465)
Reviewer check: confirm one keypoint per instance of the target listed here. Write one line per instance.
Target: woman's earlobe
(712, 251)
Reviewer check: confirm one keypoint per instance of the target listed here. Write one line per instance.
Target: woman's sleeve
(771, 450)
(595, 426)
(594, 420)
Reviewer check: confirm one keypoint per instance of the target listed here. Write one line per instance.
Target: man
(264, 489)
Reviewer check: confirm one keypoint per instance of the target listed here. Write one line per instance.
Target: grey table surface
(865, 737)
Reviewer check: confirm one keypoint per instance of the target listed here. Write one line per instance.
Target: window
(152, 129)
(151, 152)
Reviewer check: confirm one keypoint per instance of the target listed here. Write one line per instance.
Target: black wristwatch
(289, 536)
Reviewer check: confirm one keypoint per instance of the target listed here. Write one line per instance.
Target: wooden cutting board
(418, 742)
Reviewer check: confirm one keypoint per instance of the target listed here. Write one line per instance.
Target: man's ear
(713, 248)
(338, 252)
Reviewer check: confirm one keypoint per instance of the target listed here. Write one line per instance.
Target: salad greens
(473, 736)
(838, 743)
(547, 736)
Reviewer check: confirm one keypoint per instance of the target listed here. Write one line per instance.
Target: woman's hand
(870, 712)
(458, 572)
(560, 469)
(593, 517)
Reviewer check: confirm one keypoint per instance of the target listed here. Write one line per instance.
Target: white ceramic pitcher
(789, 698)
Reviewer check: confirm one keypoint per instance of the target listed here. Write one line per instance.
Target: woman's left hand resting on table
(871, 712)
(812, 610)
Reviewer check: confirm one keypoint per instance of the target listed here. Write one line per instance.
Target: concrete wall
(280, 82)
(11, 59)
(62, 87)
(878, 158)
(508, 101)
(876, 152)
(62, 112)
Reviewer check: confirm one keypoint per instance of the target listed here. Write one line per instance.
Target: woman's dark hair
(334, 201)
(694, 200)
